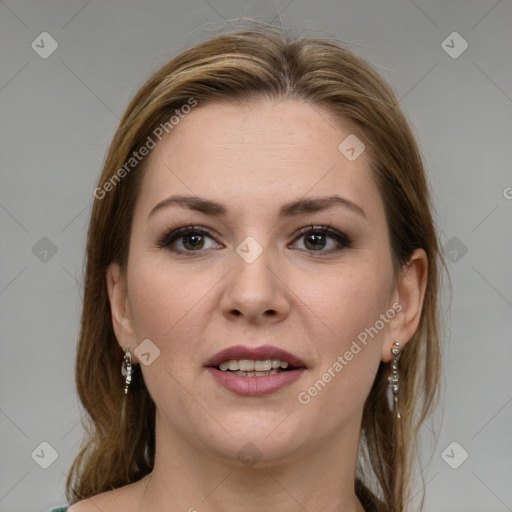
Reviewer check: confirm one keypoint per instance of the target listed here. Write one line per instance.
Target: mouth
(255, 371)
(255, 368)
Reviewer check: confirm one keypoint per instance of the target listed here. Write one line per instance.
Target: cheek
(345, 303)
(347, 330)
(167, 309)
(168, 304)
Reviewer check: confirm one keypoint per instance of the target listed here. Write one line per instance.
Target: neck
(186, 478)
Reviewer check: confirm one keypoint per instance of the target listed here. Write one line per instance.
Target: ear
(409, 294)
(121, 315)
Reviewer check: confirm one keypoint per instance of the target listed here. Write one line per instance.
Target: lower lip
(255, 386)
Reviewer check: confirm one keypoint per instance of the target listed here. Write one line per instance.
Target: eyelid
(341, 238)
(168, 236)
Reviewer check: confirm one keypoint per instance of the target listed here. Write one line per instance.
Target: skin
(313, 303)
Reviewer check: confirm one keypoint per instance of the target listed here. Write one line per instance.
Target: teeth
(255, 374)
(250, 367)
(263, 366)
(246, 365)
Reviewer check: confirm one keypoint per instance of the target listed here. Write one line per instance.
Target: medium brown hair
(248, 64)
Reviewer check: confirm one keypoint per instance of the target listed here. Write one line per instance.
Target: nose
(256, 291)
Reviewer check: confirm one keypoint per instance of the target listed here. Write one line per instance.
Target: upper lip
(257, 354)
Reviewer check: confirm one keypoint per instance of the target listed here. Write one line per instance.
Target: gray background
(58, 115)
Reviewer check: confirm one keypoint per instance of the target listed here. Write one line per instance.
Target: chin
(268, 438)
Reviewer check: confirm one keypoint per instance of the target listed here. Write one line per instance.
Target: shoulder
(123, 499)
(87, 505)
(110, 500)
(98, 502)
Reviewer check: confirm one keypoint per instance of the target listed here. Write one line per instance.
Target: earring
(397, 351)
(126, 369)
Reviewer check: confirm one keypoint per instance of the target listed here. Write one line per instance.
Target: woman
(260, 325)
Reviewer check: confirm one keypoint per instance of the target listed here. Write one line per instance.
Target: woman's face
(289, 249)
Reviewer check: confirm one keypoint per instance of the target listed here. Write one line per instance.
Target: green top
(61, 509)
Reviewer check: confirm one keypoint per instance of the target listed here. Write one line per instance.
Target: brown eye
(323, 239)
(187, 239)
(193, 242)
(315, 241)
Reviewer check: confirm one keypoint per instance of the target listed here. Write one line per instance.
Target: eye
(323, 239)
(187, 239)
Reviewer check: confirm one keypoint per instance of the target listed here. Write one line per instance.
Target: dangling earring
(397, 351)
(126, 369)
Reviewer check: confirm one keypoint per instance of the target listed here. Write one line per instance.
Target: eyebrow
(301, 206)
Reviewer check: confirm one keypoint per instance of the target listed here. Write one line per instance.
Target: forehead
(262, 151)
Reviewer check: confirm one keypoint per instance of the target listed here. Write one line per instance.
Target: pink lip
(258, 353)
(255, 386)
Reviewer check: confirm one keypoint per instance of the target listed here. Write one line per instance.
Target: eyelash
(167, 238)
